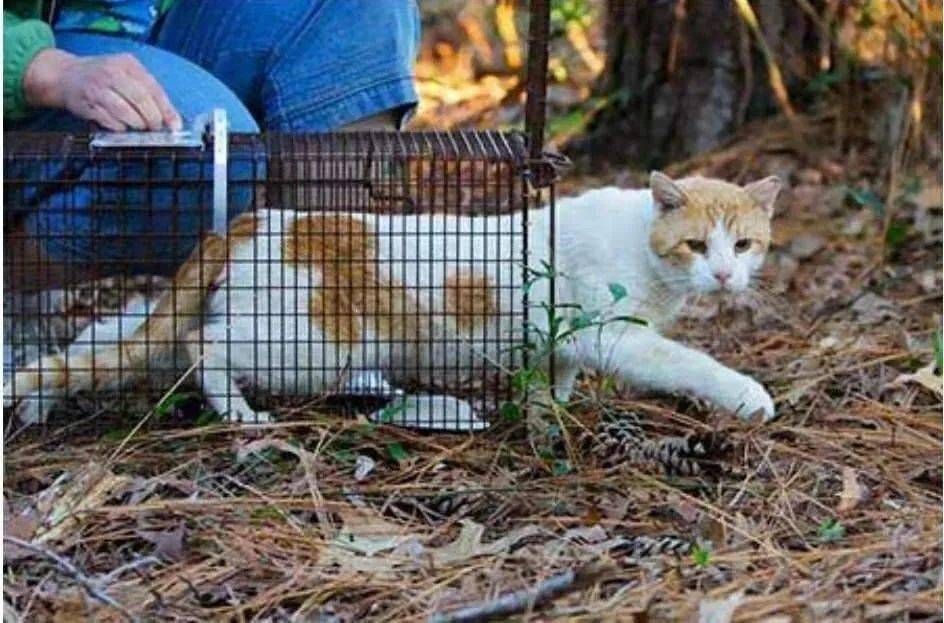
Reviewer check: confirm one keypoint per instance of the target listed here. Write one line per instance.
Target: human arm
(23, 39)
(115, 91)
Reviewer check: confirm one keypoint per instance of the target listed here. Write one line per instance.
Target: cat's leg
(213, 373)
(643, 358)
(565, 370)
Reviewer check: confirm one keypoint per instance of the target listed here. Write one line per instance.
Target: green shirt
(26, 32)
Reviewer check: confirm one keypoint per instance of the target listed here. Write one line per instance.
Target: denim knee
(139, 217)
(352, 60)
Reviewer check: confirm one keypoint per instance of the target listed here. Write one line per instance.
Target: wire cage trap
(382, 272)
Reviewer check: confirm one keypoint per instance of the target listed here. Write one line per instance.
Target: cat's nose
(722, 276)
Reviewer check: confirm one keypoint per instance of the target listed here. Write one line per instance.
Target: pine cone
(631, 549)
(624, 440)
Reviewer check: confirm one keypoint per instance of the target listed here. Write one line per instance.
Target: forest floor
(830, 513)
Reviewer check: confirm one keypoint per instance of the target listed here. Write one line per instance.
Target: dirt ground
(830, 513)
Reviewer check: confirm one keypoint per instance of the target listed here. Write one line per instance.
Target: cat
(335, 292)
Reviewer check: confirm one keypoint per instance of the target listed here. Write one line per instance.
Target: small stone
(856, 224)
(363, 466)
(929, 280)
(872, 309)
(812, 177)
(806, 245)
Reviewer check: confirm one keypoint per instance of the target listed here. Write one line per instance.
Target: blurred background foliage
(650, 83)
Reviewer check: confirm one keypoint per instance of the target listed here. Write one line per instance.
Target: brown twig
(65, 566)
(526, 599)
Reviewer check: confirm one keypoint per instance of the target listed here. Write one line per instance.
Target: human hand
(115, 91)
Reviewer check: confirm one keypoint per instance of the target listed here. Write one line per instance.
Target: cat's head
(710, 235)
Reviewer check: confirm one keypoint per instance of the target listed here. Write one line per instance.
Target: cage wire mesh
(377, 271)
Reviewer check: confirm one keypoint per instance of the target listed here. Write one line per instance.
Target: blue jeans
(282, 65)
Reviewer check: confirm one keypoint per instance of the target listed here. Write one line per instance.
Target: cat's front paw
(32, 409)
(745, 397)
(9, 400)
(248, 416)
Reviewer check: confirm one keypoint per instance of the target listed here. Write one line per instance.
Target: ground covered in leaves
(652, 507)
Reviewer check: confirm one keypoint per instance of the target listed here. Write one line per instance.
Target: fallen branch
(65, 566)
(525, 599)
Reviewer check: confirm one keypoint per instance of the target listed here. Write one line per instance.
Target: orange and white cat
(292, 302)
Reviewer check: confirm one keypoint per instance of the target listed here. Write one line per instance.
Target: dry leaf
(719, 610)
(61, 505)
(469, 543)
(367, 533)
(168, 544)
(23, 527)
(873, 309)
(924, 377)
(853, 493)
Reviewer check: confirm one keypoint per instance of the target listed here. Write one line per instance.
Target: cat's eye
(742, 245)
(697, 246)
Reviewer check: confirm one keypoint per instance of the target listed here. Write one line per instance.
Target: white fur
(604, 239)
(259, 331)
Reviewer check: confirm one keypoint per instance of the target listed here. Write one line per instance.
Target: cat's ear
(765, 192)
(666, 193)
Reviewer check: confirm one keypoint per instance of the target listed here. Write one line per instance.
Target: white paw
(248, 416)
(748, 398)
(430, 412)
(33, 408)
(8, 398)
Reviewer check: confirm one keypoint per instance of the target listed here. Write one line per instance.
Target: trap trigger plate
(185, 138)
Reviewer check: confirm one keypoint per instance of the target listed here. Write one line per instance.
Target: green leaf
(116, 434)
(896, 235)
(170, 403)
(521, 379)
(831, 530)
(510, 412)
(631, 319)
(618, 291)
(584, 320)
(208, 417)
(701, 556)
(397, 452)
(345, 456)
(528, 378)
(867, 198)
(561, 467)
(391, 410)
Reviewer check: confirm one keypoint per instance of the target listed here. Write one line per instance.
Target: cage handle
(535, 106)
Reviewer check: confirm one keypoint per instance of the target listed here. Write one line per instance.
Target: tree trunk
(682, 75)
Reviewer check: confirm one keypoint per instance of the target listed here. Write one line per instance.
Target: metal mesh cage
(379, 270)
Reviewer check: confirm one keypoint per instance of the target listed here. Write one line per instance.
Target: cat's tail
(116, 364)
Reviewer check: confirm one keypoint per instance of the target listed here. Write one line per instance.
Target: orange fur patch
(243, 227)
(469, 298)
(706, 202)
(353, 296)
